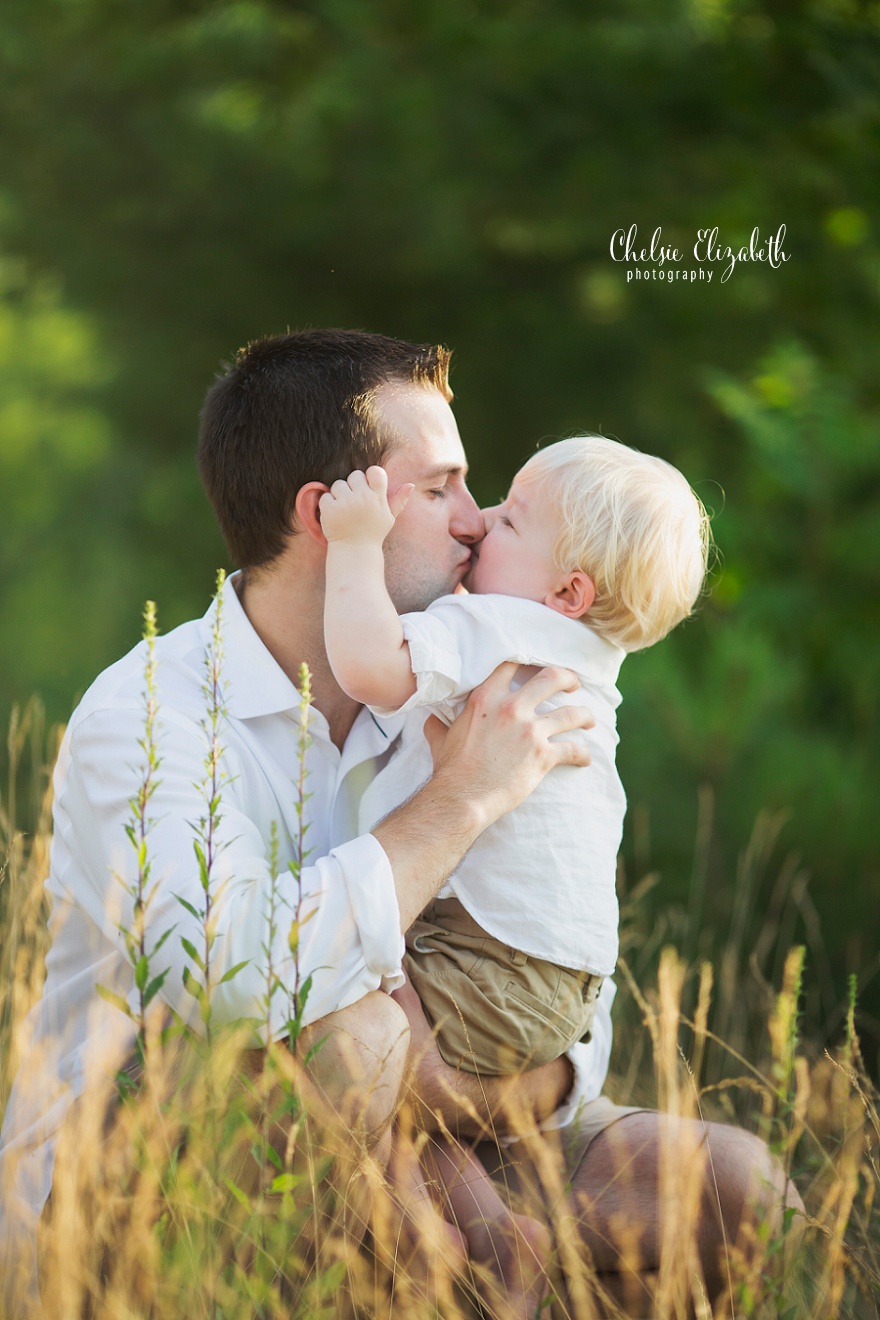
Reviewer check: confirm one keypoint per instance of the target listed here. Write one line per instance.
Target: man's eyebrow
(445, 470)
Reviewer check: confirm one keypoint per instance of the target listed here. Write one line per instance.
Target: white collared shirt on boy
(542, 878)
(353, 944)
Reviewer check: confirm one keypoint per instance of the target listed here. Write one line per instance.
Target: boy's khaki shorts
(495, 1010)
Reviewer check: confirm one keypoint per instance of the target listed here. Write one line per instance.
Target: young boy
(598, 550)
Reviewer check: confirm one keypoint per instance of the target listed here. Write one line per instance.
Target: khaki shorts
(523, 1169)
(496, 1010)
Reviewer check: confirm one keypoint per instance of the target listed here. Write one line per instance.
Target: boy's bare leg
(511, 1251)
(418, 1244)
(471, 1106)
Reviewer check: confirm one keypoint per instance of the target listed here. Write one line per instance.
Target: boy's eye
(441, 492)
(504, 518)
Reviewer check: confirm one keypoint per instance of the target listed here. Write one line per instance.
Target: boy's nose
(488, 516)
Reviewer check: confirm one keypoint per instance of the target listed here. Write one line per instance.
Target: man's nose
(467, 525)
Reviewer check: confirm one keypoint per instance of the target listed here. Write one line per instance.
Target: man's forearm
(425, 839)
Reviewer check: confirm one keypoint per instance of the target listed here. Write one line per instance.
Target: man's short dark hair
(296, 408)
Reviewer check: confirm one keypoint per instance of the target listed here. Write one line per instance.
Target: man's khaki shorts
(539, 1170)
(496, 1010)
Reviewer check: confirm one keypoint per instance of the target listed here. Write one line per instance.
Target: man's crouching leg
(348, 1070)
(345, 1078)
(251, 1156)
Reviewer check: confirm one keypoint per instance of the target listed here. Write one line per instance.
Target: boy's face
(515, 558)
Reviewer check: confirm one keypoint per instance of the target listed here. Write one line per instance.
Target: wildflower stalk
(301, 986)
(273, 981)
(137, 829)
(138, 833)
(205, 844)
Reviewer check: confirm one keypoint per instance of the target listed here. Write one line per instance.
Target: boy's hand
(359, 510)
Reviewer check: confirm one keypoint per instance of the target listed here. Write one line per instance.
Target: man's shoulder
(179, 678)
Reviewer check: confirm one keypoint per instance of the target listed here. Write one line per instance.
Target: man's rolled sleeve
(369, 881)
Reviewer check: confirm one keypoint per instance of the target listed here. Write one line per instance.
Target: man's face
(427, 551)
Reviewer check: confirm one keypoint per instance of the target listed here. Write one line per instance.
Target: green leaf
(233, 971)
(162, 938)
(240, 1196)
(195, 987)
(302, 995)
(192, 952)
(286, 1182)
(116, 1000)
(141, 971)
(314, 1050)
(203, 865)
(273, 1156)
(189, 907)
(328, 1283)
(155, 986)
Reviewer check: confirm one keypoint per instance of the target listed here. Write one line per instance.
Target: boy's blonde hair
(633, 524)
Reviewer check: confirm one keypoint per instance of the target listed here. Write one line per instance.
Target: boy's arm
(365, 644)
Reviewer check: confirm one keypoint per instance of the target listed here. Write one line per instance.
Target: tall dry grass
(221, 1191)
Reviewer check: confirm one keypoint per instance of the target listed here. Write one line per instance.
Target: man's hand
(498, 750)
(491, 758)
(358, 511)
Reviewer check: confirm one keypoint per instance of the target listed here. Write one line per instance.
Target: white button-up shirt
(351, 945)
(542, 878)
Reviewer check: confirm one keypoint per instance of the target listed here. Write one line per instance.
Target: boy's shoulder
(531, 633)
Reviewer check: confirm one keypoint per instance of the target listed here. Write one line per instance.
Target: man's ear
(573, 595)
(308, 515)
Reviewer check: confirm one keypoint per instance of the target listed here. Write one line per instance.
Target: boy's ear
(573, 596)
(308, 515)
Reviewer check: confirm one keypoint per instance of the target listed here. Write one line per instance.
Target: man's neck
(285, 607)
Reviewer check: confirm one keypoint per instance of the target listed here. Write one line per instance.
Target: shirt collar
(254, 682)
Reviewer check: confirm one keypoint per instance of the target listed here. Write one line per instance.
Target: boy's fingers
(338, 488)
(376, 478)
(399, 500)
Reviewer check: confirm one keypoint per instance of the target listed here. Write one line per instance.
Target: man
(290, 416)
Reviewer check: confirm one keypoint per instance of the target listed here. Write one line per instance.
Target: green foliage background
(178, 178)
